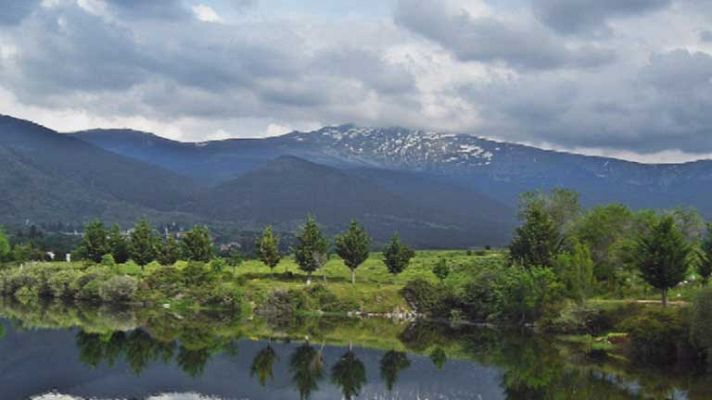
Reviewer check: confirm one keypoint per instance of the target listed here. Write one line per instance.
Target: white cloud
(205, 13)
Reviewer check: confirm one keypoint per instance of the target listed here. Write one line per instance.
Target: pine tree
(397, 255)
(353, 247)
(662, 256)
(536, 242)
(310, 252)
(118, 245)
(169, 252)
(94, 242)
(197, 245)
(143, 243)
(268, 248)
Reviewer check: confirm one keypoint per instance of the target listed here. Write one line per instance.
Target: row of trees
(144, 245)
(311, 250)
(604, 247)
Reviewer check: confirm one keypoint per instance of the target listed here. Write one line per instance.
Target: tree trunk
(308, 278)
(353, 277)
(665, 298)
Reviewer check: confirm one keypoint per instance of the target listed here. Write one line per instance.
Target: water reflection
(224, 356)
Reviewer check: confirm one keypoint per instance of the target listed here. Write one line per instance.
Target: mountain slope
(53, 177)
(284, 190)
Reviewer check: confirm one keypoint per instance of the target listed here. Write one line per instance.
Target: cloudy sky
(629, 78)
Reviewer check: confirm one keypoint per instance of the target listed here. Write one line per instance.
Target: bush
(107, 260)
(657, 334)
(426, 298)
(525, 295)
(118, 289)
(61, 283)
(222, 296)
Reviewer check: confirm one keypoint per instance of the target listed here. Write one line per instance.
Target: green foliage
(353, 247)
(656, 334)
(107, 260)
(426, 298)
(262, 364)
(701, 321)
(95, 242)
(397, 255)
(575, 271)
(438, 357)
(197, 245)
(310, 251)
(143, 243)
(306, 366)
(234, 259)
(118, 289)
(662, 256)
(537, 241)
(268, 248)
(704, 267)
(118, 244)
(441, 270)
(217, 264)
(525, 295)
(4, 247)
(562, 206)
(169, 252)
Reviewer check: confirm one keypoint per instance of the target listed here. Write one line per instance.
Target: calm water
(67, 352)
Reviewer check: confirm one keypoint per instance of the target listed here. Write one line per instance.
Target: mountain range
(435, 189)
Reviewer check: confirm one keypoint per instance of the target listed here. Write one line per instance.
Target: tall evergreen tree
(95, 241)
(197, 245)
(704, 266)
(397, 255)
(268, 248)
(353, 247)
(169, 252)
(143, 243)
(662, 256)
(536, 242)
(310, 252)
(118, 244)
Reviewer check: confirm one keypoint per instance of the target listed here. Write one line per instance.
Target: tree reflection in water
(392, 363)
(263, 363)
(349, 374)
(307, 368)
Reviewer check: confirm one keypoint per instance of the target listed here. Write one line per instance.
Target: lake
(57, 351)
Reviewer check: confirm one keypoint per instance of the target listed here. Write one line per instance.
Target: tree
(197, 245)
(263, 363)
(118, 245)
(234, 259)
(349, 374)
(143, 243)
(310, 250)
(392, 363)
(561, 205)
(4, 246)
(704, 266)
(397, 255)
(353, 247)
(662, 256)
(575, 271)
(536, 242)
(169, 252)
(441, 270)
(94, 242)
(438, 357)
(268, 248)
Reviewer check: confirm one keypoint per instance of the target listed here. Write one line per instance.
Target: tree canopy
(310, 251)
(397, 255)
(353, 247)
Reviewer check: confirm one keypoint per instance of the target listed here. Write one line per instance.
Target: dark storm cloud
(14, 11)
(485, 39)
(576, 16)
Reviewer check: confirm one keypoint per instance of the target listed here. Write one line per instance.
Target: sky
(629, 79)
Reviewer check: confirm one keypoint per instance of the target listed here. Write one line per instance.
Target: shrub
(107, 260)
(525, 295)
(118, 289)
(656, 334)
(222, 296)
(426, 298)
(283, 303)
(90, 290)
(61, 283)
